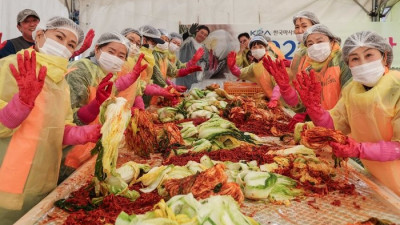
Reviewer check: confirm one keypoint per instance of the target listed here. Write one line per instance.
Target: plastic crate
(242, 88)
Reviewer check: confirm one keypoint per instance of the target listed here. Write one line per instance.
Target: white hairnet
(175, 35)
(164, 32)
(151, 32)
(58, 22)
(128, 30)
(367, 39)
(258, 38)
(322, 29)
(307, 15)
(113, 37)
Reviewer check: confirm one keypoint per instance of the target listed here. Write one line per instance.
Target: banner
(284, 38)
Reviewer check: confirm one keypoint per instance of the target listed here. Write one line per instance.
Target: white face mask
(163, 46)
(173, 47)
(319, 52)
(52, 47)
(134, 49)
(299, 37)
(110, 63)
(368, 74)
(258, 53)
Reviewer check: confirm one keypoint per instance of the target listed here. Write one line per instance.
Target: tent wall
(10, 8)
(106, 15)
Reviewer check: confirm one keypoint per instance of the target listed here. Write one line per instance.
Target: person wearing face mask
(324, 58)
(368, 108)
(174, 46)
(255, 72)
(302, 21)
(27, 20)
(90, 81)
(155, 82)
(189, 48)
(36, 117)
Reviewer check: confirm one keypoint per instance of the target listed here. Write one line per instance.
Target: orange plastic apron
(263, 78)
(38, 138)
(330, 82)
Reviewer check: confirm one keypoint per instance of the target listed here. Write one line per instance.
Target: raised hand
(3, 43)
(28, 83)
(86, 43)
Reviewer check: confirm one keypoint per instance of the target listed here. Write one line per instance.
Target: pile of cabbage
(185, 209)
(199, 103)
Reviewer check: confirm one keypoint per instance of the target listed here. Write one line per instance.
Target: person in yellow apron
(36, 117)
(324, 57)
(241, 56)
(301, 21)
(90, 81)
(255, 72)
(368, 110)
(174, 46)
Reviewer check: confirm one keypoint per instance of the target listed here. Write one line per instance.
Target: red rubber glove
(78, 135)
(127, 80)
(3, 43)
(231, 60)
(188, 70)
(139, 103)
(380, 151)
(89, 112)
(86, 43)
(29, 86)
(278, 70)
(155, 90)
(179, 88)
(196, 57)
(286, 62)
(309, 90)
(298, 118)
(14, 113)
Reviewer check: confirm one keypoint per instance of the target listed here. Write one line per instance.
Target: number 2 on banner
(288, 55)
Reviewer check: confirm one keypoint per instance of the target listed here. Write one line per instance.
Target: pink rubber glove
(278, 70)
(380, 151)
(276, 94)
(231, 61)
(298, 118)
(127, 80)
(86, 43)
(139, 103)
(14, 113)
(29, 84)
(309, 90)
(188, 70)
(155, 90)
(89, 112)
(3, 43)
(78, 135)
(179, 88)
(196, 57)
